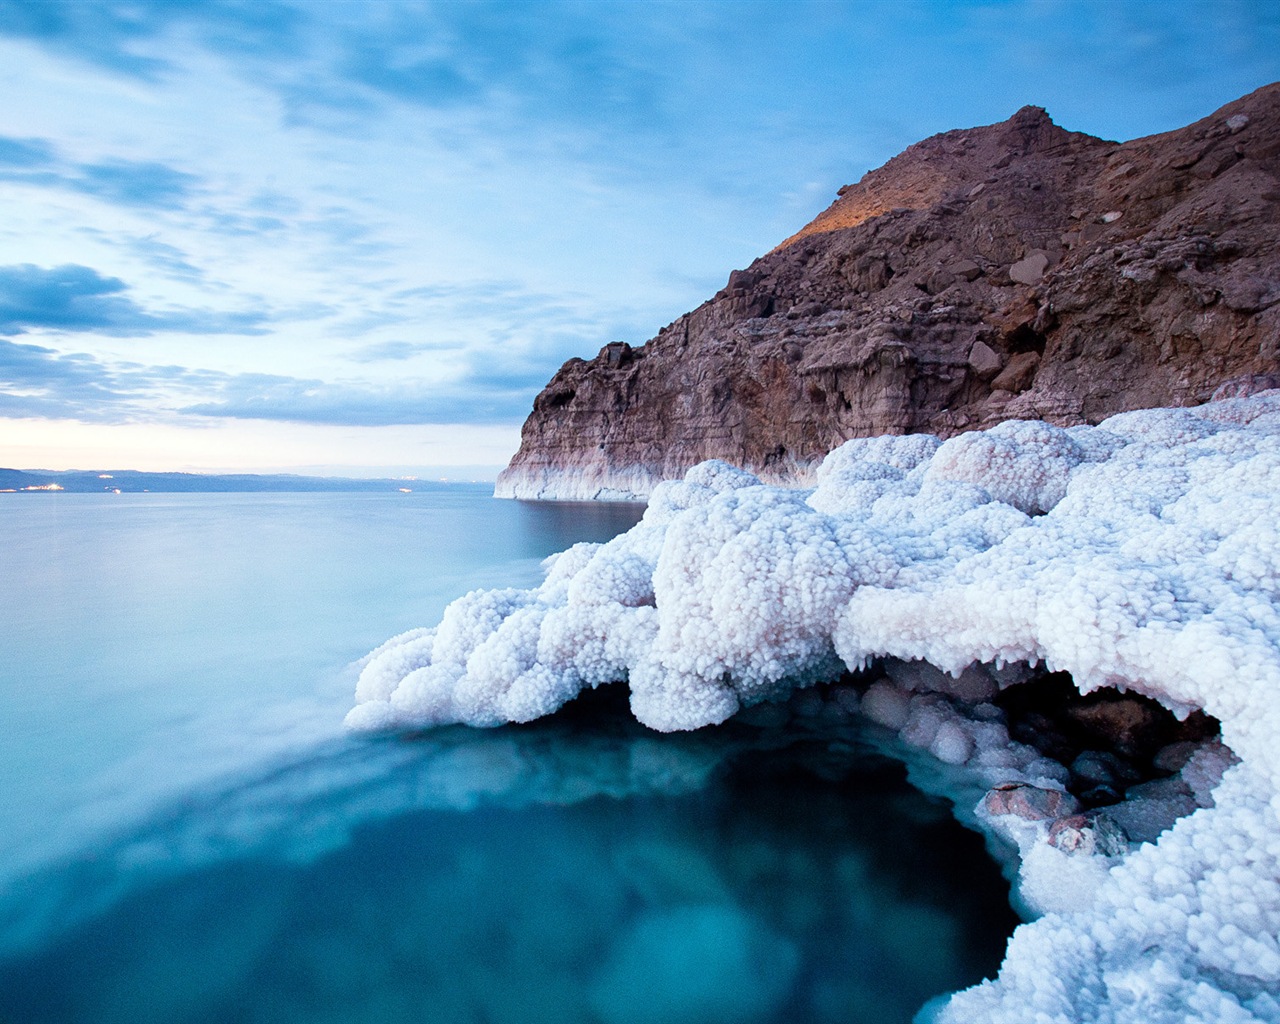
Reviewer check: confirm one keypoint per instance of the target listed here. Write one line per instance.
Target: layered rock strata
(1011, 271)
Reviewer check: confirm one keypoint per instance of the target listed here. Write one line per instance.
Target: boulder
(1031, 803)
(1029, 270)
(984, 360)
(1018, 375)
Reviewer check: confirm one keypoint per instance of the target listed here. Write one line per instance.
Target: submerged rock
(695, 964)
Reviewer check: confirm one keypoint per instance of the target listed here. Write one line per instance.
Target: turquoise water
(190, 837)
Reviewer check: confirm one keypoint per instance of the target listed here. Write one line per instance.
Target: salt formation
(1141, 554)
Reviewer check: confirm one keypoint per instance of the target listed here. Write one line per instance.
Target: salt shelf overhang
(1141, 554)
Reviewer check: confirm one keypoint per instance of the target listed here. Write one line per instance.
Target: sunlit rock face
(1140, 555)
(1015, 271)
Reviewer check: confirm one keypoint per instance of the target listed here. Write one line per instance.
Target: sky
(357, 238)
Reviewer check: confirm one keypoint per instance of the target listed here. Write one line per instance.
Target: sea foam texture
(1142, 553)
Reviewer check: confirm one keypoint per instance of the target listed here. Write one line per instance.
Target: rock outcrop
(1011, 271)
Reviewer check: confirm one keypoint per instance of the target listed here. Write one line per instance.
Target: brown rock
(1159, 279)
(1029, 802)
(1250, 384)
(1172, 757)
(1128, 725)
(1030, 270)
(984, 360)
(1018, 375)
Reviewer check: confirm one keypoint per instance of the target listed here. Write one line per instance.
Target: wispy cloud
(557, 61)
(79, 299)
(25, 153)
(399, 351)
(133, 183)
(112, 35)
(36, 380)
(467, 401)
(165, 258)
(145, 183)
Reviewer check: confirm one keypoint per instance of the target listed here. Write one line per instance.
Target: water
(189, 836)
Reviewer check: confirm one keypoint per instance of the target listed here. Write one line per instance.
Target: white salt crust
(1141, 554)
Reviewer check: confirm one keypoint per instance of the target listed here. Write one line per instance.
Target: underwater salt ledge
(1141, 554)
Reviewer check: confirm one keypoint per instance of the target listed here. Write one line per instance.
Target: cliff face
(1011, 271)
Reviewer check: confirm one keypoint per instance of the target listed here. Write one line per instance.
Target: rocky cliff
(1011, 271)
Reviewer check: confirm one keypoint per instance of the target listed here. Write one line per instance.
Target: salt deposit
(1141, 554)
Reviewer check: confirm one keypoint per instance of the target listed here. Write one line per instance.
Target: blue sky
(358, 237)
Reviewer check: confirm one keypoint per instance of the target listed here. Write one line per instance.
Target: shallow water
(193, 839)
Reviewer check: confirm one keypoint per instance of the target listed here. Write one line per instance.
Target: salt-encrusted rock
(1087, 834)
(1172, 757)
(1031, 803)
(1204, 770)
(1047, 773)
(926, 717)
(973, 685)
(1147, 274)
(951, 744)
(886, 705)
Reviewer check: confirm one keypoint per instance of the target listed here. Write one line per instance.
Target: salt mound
(1141, 554)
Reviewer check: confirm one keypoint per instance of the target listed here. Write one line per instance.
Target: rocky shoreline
(1015, 271)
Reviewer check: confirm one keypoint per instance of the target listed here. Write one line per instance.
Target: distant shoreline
(136, 481)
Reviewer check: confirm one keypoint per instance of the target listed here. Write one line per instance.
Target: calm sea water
(189, 837)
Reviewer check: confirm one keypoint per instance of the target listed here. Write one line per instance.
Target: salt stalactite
(1141, 554)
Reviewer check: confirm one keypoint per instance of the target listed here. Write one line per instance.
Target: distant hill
(127, 480)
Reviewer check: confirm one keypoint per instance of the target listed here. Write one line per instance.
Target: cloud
(133, 183)
(39, 381)
(77, 298)
(473, 399)
(100, 33)
(116, 36)
(24, 153)
(557, 61)
(501, 310)
(349, 407)
(166, 258)
(398, 351)
(141, 183)
(69, 297)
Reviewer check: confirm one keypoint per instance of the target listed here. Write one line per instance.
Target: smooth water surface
(153, 642)
(192, 839)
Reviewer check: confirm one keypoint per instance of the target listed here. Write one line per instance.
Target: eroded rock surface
(1011, 271)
